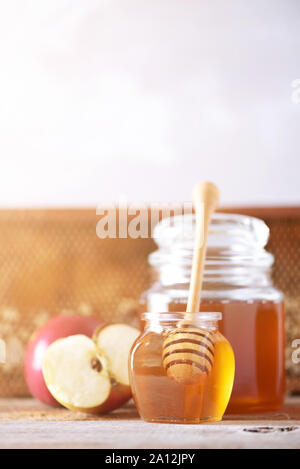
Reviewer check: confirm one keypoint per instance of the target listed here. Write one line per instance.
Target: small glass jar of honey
(181, 368)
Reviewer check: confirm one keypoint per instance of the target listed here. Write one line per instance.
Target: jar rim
(177, 315)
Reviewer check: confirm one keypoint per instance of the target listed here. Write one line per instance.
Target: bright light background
(145, 98)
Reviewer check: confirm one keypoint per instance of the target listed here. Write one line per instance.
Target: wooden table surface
(25, 423)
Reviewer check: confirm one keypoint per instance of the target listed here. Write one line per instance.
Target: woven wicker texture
(52, 262)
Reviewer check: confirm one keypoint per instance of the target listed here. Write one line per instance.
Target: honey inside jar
(160, 398)
(255, 331)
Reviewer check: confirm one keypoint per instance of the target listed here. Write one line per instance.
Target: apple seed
(113, 381)
(96, 364)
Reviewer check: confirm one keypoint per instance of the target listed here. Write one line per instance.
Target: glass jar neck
(158, 322)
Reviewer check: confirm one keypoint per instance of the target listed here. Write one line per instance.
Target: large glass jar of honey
(237, 282)
(171, 344)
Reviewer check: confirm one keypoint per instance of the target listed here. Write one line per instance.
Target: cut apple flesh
(75, 374)
(116, 341)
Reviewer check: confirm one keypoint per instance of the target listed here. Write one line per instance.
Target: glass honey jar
(170, 343)
(237, 282)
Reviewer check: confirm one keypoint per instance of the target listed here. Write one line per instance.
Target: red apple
(88, 375)
(57, 328)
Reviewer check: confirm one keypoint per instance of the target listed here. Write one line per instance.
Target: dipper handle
(205, 198)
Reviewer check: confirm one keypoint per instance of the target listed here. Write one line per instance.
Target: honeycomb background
(52, 262)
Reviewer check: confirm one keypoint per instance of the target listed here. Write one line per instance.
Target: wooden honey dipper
(188, 351)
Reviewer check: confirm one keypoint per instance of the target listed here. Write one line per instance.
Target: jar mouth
(176, 316)
(242, 229)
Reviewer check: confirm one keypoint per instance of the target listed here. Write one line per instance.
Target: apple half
(56, 328)
(88, 375)
(116, 341)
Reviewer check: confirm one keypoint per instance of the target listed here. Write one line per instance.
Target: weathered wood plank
(25, 423)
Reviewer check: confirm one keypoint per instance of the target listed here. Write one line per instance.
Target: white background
(146, 97)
